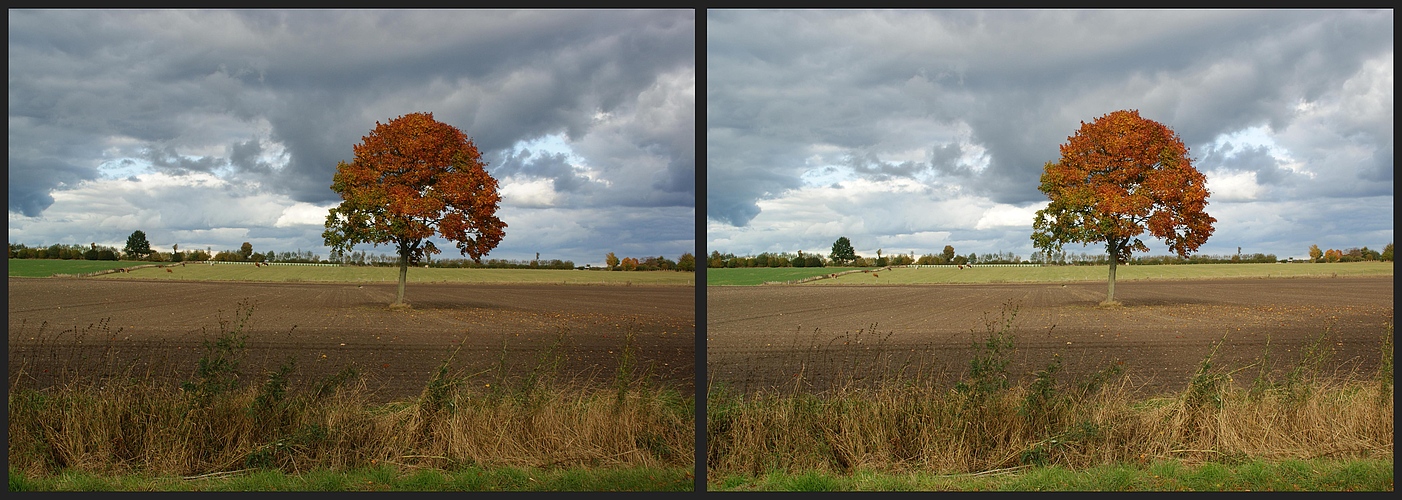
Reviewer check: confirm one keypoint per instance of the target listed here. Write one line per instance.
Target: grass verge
(43, 268)
(1165, 475)
(377, 478)
(913, 423)
(759, 275)
(1048, 274)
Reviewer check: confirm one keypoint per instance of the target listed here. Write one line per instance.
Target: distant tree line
(685, 263)
(1101, 259)
(948, 256)
(843, 255)
(805, 259)
(766, 259)
(1350, 255)
(69, 252)
(100, 252)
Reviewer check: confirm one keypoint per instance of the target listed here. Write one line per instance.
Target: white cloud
(897, 215)
(1232, 186)
(196, 209)
(303, 214)
(534, 193)
(1003, 215)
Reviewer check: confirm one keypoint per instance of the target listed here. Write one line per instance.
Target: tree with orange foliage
(412, 178)
(1117, 177)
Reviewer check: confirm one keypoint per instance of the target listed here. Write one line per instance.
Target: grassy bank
(43, 268)
(759, 275)
(1050, 274)
(339, 274)
(1320, 474)
(384, 477)
(125, 430)
(912, 424)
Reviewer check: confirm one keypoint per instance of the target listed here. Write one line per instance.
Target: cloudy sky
(212, 128)
(908, 131)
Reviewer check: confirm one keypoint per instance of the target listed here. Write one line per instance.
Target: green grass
(348, 274)
(1050, 274)
(43, 268)
(759, 275)
(381, 478)
(1171, 475)
(1168, 475)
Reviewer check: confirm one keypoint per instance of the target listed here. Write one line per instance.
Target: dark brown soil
(814, 337)
(95, 327)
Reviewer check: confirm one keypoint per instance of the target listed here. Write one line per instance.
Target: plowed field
(817, 336)
(97, 325)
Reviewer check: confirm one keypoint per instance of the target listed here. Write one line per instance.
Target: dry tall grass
(130, 423)
(984, 424)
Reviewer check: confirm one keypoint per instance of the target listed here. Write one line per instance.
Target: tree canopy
(137, 246)
(412, 178)
(842, 251)
(1119, 176)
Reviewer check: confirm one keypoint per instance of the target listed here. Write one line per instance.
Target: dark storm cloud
(1257, 159)
(32, 180)
(245, 156)
(313, 74)
(865, 89)
(750, 169)
(167, 160)
(277, 98)
(867, 165)
(554, 166)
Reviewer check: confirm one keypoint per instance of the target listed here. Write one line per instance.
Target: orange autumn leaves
(411, 178)
(1119, 176)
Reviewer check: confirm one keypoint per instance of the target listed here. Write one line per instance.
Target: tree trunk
(1114, 247)
(1109, 299)
(403, 276)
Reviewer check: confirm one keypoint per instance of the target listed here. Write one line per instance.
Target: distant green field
(352, 274)
(759, 275)
(952, 274)
(48, 267)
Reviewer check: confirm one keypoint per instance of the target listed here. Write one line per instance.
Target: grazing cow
(874, 275)
(169, 271)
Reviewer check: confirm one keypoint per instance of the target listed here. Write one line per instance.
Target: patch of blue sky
(826, 176)
(550, 144)
(123, 168)
(1250, 137)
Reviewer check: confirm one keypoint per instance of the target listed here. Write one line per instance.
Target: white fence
(956, 266)
(213, 262)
